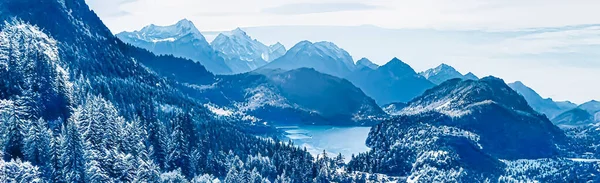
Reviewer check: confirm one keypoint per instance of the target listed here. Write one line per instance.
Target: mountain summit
(242, 53)
(393, 82)
(324, 57)
(443, 73)
(365, 63)
(182, 39)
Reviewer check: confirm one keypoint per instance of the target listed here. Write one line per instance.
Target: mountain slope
(393, 82)
(242, 53)
(441, 74)
(324, 57)
(458, 131)
(545, 106)
(300, 96)
(182, 39)
(574, 117)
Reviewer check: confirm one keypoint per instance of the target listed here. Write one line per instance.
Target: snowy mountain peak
(154, 33)
(243, 53)
(324, 57)
(441, 69)
(364, 62)
(441, 74)
(185, 23)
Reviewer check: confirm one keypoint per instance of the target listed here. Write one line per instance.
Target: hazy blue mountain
(182, 39)
(584, 114)
(471, 76)
(364, 62)
(299, 96)
(393, 82)
(324, 57)
(574, 117)
(242, 53)
(542, 105)
(592, 106)
(276, 50)
(441, 74)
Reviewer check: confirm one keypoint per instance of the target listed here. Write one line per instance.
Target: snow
(237, 45)
(443, 106)
(171, 39)
(156, 34)
(262, 96)
(218, 111)
(584, 160)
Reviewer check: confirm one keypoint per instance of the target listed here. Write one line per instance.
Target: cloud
(310, 8)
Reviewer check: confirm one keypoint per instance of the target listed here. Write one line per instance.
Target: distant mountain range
(584, 114)
(181, 40)
(545, 106)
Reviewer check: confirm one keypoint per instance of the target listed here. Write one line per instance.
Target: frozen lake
(334, 140)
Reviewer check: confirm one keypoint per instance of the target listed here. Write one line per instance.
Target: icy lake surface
(334, 140)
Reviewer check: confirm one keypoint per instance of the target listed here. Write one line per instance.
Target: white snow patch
(171, 39)
(218, 111)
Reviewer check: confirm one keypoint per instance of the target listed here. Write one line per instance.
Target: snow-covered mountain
(324, 57)
(393, 82)
(365, 63)
(242, 53)
(443, 73)
(546, 106)
(486, 105)
(182, 39)
(462, 131)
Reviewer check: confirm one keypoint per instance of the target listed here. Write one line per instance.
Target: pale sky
(539, 42)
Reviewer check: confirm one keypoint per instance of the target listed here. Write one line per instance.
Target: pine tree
(13, 146)
(95, 174)
(56, 151)
(158, 140)
(282, 178)
(179, 149)
(37, 150)
(73, 157)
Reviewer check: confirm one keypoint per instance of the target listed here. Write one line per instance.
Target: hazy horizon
(471, 36)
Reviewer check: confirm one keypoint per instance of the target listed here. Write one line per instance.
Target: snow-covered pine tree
(36, 146)
(73, 158)
(179, 156)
